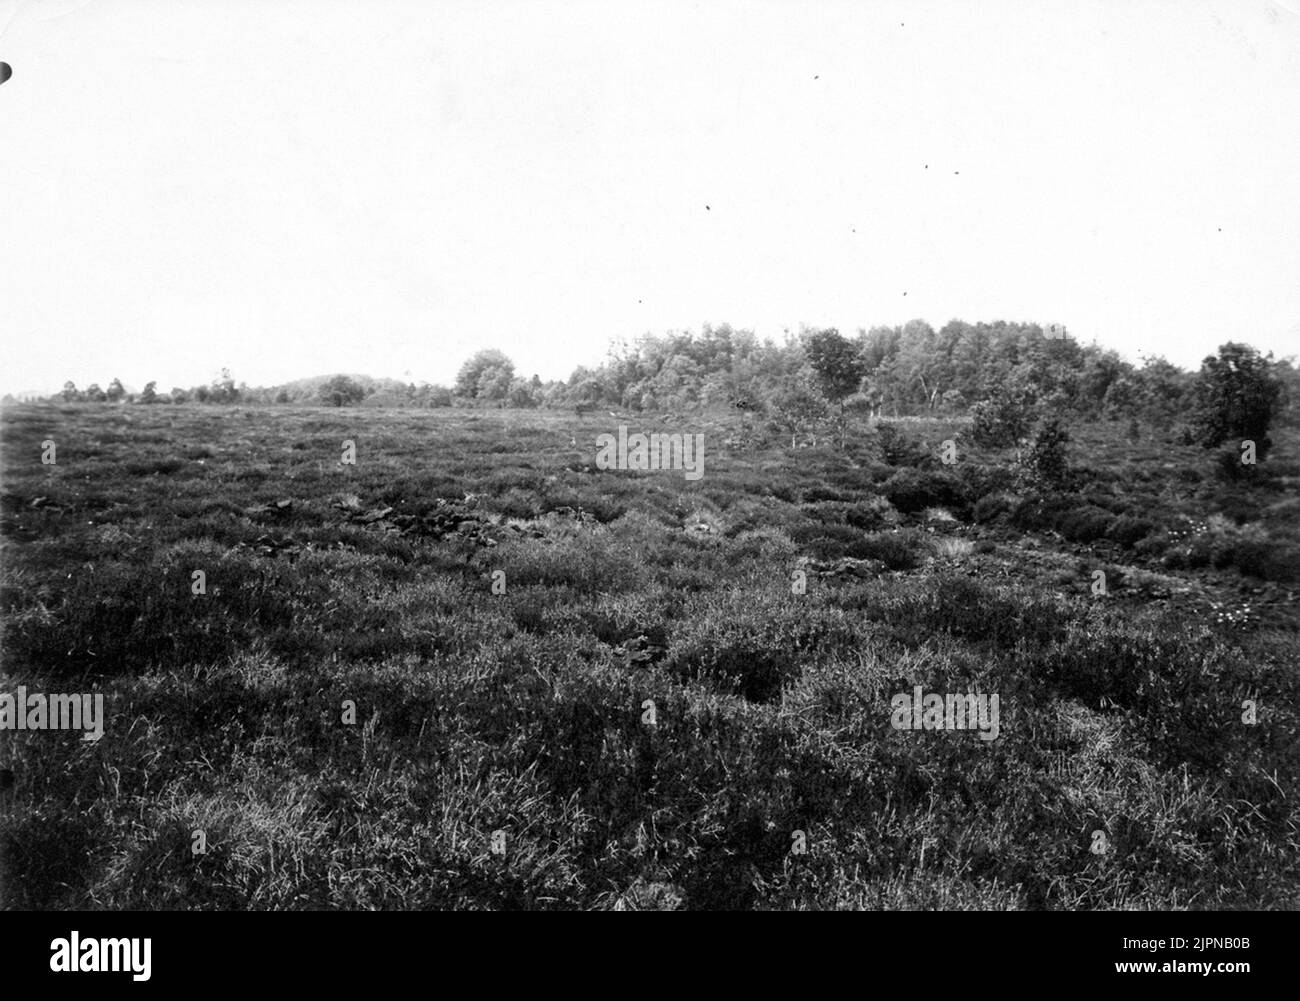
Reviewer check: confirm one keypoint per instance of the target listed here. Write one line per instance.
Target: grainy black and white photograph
(572, 456)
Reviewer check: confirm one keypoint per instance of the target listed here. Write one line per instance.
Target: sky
(383, 187)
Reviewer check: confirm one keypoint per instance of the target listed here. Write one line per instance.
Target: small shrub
(827, 542)
(751, 514)
(871, 514)
(897, 550)
(1201, 552)
(1040, 511)
(989, 479)
(993, 507)
(819, 493)
(825, 512)
(914, 490)
(1083, 524)
(1230, 469)
(1045, 463)
(1153, 545)
(1267, 560)
(1128, 530)
(764, 543)
(1236, 507)
(1003, 419)
(1076, 522)
(899, 450)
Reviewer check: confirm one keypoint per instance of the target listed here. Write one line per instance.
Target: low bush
(1084, 524)
(1045, 463)
(1003, 419)
(828, 542)
(1267, 560)
(1128, 530)
(912, 490)
(897, 550)
(994, 507)
(898, 449)
(819, 493)
(759, 647)
(983, 479)
(1076, 522)
(1229, 468)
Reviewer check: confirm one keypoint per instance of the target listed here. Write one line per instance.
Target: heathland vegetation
(446, 659)
(890, 371)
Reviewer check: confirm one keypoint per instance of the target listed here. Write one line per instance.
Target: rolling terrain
(474, 670)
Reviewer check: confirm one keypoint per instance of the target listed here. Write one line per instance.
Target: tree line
(998, 372)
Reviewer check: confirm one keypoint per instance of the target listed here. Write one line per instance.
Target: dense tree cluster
(1237, 398)
(1006, 375)
(902, 370)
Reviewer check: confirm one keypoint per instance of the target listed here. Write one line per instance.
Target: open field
(650, 715)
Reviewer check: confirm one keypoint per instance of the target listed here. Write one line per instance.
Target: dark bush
(1240, 509)
(1153, 545)
(1223, 557)
(967, 608)
(1040, 511)
(1175, 558)
(1128, 530)
(1237, 396)
(897, 550)
(899, 450)
(163, 467)
(992, 479)
(1230, 469)
(1200, 553)
(861, 515)
(757, 654)
(825, 512)
(865, 516)
(828, 542)
(1083, 524)
(1046, 462)
(991, 507)
(1003, 419)
(1076, 522)
(878, 472)
(814, 495)
(1268, 560)
(914, 490)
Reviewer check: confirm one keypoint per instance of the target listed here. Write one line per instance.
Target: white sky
(291, 189)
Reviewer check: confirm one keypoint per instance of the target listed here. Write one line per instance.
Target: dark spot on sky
(816, 77)
(6, 71)
(707, 209)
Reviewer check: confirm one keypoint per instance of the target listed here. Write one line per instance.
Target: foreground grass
(501, 755)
